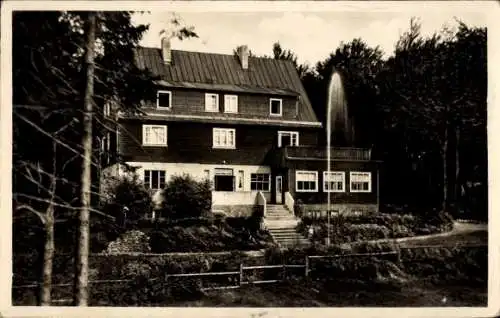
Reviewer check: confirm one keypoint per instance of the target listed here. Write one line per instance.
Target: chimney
(166, 52)
(243, 55)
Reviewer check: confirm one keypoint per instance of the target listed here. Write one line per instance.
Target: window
(206, 174)
(224, 138)
(241, 179)
(230, 103)
(361, 181)
(154, 179)
(288, 138)
(334, 182)
(306, 181)
(275, 107)
(223, 179)
(211, 102)
(164, 99)
(260, 182)
(107, 109)
(154, 135)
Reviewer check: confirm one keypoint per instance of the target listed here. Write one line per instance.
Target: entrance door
(279, 190)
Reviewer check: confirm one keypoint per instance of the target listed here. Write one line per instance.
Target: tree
(46, 218)
(128, 192)
(81, 275)
(49, 80)
(236, 50)
(284, 54)
(427, 94)
(358, 64)
(184, 197)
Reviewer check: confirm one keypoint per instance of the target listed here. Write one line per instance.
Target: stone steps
(281, 223)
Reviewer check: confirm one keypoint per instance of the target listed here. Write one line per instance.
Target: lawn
(346, 294)
(462, 234)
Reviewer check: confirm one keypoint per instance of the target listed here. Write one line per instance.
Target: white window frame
(146, 143)
(325, 181)
(364, 173)
(225, 131)
(150, 185)
(262, 182)
(158, 99)
(297, 172)
(225, 172)
(107, 109)
(291, 133)
(271, 100)
(227, 102)
(207, 98)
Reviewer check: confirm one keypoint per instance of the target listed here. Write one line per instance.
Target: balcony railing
(336, 153)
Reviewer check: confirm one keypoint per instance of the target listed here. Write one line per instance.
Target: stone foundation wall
(344, 209)
(235, 210)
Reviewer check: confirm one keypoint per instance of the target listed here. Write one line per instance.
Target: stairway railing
(289, 202)
(261, 201)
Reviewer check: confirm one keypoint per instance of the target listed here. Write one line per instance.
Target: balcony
(280, 155)
(337, 153)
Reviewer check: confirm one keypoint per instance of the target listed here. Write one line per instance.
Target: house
(245, 123)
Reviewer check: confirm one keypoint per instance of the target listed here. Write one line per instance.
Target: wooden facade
(190, 129)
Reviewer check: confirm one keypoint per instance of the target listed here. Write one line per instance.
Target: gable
(210, 70)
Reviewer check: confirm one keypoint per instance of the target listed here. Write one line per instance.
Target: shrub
(299, 208)
(127, 192)
(130, 242)
(185, 197)
(350, 228)
(209, 235)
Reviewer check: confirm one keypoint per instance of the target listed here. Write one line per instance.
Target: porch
(300, 175)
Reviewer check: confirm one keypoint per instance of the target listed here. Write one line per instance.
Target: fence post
(284, 272)
(241, 274)
(307, 266)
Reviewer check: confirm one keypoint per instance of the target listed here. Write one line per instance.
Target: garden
(130, 255)
(377, 226)
(458, 274)
(184, 221)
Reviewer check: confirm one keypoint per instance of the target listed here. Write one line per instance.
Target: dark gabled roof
(224, 72)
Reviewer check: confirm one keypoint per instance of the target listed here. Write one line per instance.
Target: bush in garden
(299, 208)
(185, 197)
(209, 235)
(130, 242)
(128, 192)
(349, 228)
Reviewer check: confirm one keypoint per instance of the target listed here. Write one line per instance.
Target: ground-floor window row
(333, 181)
(225, 179)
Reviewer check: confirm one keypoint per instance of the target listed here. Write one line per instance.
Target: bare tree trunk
(48, 252)
(457, 166)
(48, 255)
(444, 156)
(81, 277)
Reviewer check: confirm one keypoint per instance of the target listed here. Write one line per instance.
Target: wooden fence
(242, 277)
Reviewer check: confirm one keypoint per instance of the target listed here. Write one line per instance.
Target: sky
(311, 35)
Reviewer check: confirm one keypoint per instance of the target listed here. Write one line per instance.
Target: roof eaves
(219, 119)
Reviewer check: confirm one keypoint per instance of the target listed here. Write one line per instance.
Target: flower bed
(347, 229)
(207, 234)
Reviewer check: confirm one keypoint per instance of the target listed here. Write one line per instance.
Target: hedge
(346, 229)
(149, 287)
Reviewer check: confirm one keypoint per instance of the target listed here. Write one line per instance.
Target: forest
(422, 111)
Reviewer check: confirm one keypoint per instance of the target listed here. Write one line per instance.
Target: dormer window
(288, 138)
(164, 100)
(211, 102)
(230, 103)
(275, 106)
